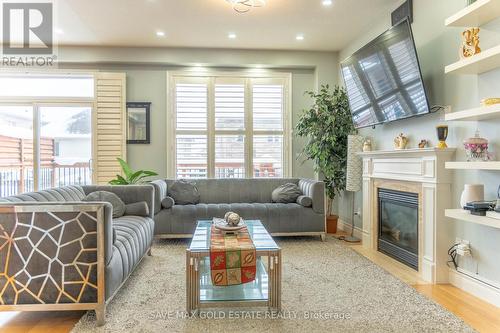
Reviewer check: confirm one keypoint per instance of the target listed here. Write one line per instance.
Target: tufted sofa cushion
(133, 238)
(61, 194)
(276, 217)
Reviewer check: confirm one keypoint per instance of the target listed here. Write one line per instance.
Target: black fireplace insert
(398, 225)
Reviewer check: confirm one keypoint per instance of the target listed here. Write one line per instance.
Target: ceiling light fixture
(160, 34)
(243, 6)
(299, 37)
(327, 2)
(231, 35)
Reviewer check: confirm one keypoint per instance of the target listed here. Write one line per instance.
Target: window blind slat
(229, 106)
(191, 106)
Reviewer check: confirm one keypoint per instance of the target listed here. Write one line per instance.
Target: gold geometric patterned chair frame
(52, 257)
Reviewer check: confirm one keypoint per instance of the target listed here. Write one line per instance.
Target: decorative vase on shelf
(472, 192)
(367, 145)
(476, 148)
(442, 134)
(401, 141)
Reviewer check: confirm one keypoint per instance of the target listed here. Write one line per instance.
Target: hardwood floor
(38, 322)
(480, 315)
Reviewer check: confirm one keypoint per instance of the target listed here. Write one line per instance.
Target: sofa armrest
(160, 187)
(75, 233)
(316, 190)
(128, 193)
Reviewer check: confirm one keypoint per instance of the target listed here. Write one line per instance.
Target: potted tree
(326, 126)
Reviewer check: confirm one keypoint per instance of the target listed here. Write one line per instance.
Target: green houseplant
(131, 177)
(326, 125)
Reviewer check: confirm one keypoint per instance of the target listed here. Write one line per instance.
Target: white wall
(146, 82)
(437, 46)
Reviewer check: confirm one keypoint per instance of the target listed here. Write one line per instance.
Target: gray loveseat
(60, 243)
(251, 198)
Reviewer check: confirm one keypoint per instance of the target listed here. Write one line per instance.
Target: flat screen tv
(383, 79)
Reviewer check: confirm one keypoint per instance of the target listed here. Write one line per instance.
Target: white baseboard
(475, 287)
(346, 226)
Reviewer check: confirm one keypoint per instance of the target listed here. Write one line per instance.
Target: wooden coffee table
(265, 290)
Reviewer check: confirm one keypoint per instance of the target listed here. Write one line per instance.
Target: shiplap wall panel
(110, 124)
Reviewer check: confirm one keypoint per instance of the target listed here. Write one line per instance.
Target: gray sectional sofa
(251, 198)
(66, 241)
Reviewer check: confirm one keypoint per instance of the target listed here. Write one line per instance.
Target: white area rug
(327, 287)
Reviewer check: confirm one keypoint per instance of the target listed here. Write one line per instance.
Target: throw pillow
(305, 201)
(113, 199)
(137, 209)
(184, 193)
(167, 202)
(287, 193)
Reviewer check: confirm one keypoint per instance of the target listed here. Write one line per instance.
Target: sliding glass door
(65, 146)
(16, 149)
(44, 146)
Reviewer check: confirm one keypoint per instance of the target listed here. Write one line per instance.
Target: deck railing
(15, 180)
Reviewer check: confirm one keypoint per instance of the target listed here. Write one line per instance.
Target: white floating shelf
(480, 63)
(481, 113)
(475, 15)
(464, 215)
(473, 165)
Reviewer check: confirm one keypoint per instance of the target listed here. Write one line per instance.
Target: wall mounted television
(383, 79)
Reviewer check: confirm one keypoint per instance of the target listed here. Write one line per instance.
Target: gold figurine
(470, 44)
(401, 141)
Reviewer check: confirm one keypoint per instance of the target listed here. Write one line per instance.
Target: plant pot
(331, 224)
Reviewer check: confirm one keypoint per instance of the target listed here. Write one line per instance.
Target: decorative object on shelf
(469, 2)
(476, 148)
(354, 175)
(478, 208)
(470, 44)
(471, 193)
(232, 219)
(138, 122)
(243, 6)
(490, 101)
(401, 141)
(497, 206)
(367, 145)
(423, 143)
(442, 134)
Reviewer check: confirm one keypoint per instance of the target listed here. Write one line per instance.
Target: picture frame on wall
(138, 122)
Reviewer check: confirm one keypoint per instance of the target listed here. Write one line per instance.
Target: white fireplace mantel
(415, 170)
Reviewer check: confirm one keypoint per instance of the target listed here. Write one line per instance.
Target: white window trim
(209, 74)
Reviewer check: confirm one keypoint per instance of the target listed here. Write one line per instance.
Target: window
(44, 142)
(229, 127)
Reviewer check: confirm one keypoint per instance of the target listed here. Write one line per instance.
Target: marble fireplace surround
(420, 171)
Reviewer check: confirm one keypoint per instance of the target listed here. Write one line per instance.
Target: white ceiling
(206, 23)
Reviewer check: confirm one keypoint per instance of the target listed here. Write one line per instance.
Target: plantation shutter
(110, 125)
(191, 105)
(268, 112)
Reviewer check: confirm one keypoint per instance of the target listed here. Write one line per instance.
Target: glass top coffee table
(265, 290)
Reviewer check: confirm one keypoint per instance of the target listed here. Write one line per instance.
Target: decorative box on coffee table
(264, 291)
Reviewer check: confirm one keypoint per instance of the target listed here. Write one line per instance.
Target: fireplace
(398, 225)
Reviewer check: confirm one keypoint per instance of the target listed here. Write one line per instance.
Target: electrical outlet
(463, 248)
